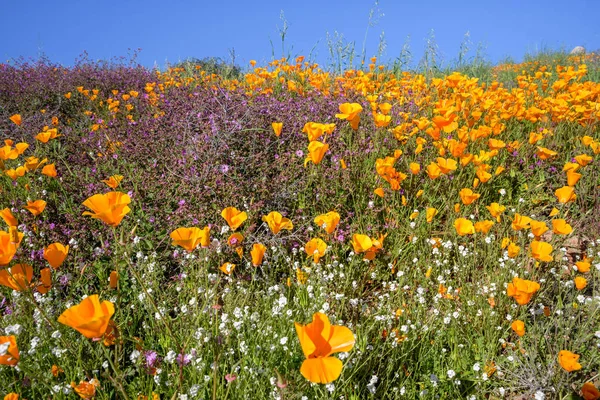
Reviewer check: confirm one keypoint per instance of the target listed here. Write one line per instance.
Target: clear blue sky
(175, 30)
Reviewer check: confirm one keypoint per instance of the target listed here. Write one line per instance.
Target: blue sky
(175, 30)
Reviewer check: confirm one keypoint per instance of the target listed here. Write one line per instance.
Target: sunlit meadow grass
(428, 298)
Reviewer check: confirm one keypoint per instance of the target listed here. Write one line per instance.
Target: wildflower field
(292, 233)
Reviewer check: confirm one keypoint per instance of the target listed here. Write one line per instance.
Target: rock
(578, 50)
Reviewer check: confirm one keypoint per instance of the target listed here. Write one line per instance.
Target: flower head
(319, 340)
(110, 207)
(89, 317)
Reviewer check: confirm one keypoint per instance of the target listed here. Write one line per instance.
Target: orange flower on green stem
(565, 194)
(55, 254)
(315, 248)
(277, 126)
(17, 278)
(9, 243)
(114, 181)
(190, 238)
(36, 207)
(328, 221)
(16, 119)
(89, 317)
(10, 354)
(234, 217)
(351, 113)
(257, 253)
(561, 227)
(86, 390)
(316, 152)
(319, 340)
(522, 290)
(277, 222)
(464, 227)
(568, 361)
(110, 207)
(49, 170)
(8, 217)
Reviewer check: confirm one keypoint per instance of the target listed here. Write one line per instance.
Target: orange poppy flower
(55, 254)
(319, 340)
(32, 163)
(277, 222)
(110, 207)
(521, 222)
(518, 327)
(9, 243)
(351, 113)
(227, 268)
(522, 290)
(484, 226)
(11, 355)
(11, 396)
(541, 251)
(414, 168)
(17, 278)
(257, 253)
(513, 250)
(86, 390)
(343, 164)
(36, 207)
(467, 196)
(583, 266)
(361, 243)
(568, 361)
(573, 177)
(565, 194)
(446, 165)
(583, 159)
(8, 217)
(328, 221)
(234, 217)
(47, 135)
(589, 391)
(379, 192)
(430, 212)
(190, 238)
(277, 126)
(89, 317)
(45, 283)
(496, 210)
(49, 170)
(561, 227)
(14, 174)
(538, 228)
(580, 282)
(315, 248)
(464, 227)
(16, 119)
(114, 181)
(316, 152)
(433, 171)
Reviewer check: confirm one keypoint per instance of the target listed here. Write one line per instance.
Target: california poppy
(538, 228)
(518, 327)
(277, 128)
(227, 268)
(55, 254)
(17, 278)
(319, 340)
(580, 282)
(114, 181)
(110, 207)
(36, 207)
(47, 135)
(589, 391)
(257, 253)
(328, 221)
(234, 217)
(561, 227)
(430, 212)
(484, 226)
(49, 170)
(414, 168)
(316, 152)
(351, 113)
(565, 194)
(522, 290)
(277, 222)
(521, 222)
(9, 243)
(86, 390)
(89, 317)
(11, 354)
(315, 248)
(45, 283)
(467, 196)
(190, 238)
(16, 119)
(568, 361)
(8, 217)
(464, 227)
